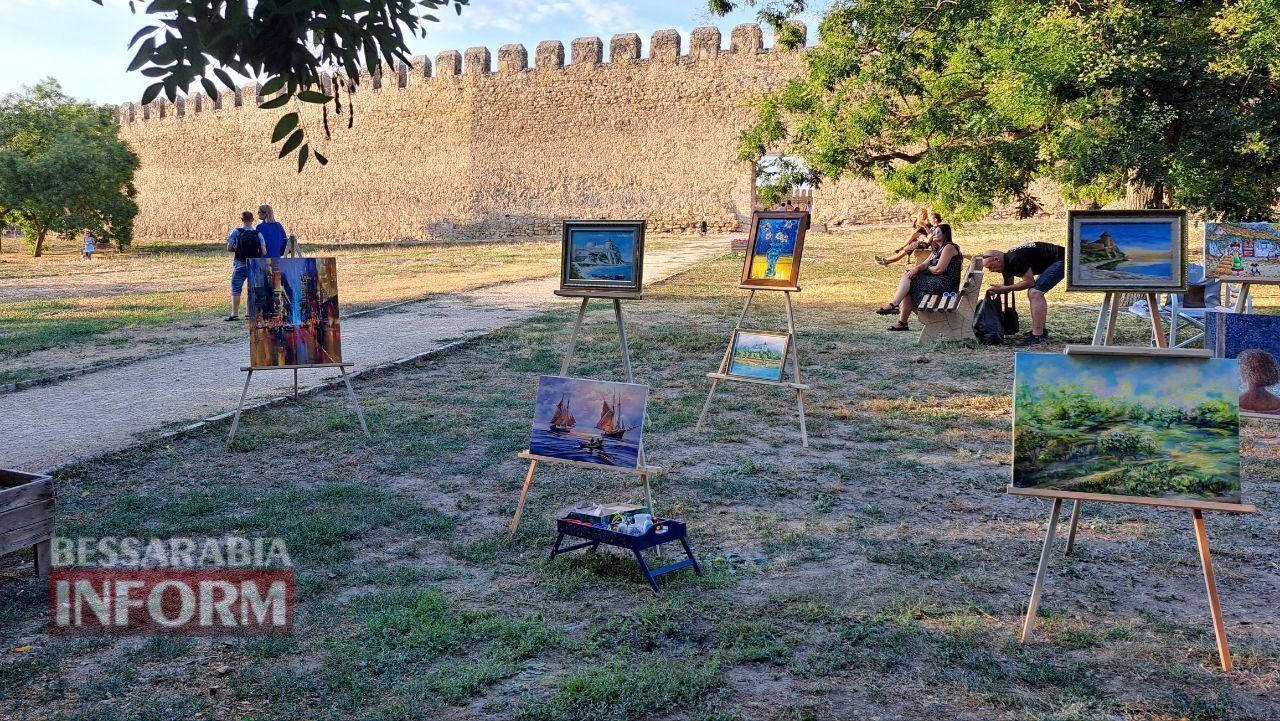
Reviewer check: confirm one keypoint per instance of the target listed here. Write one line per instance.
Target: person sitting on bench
(919, 239)
(940, 273)
(1039, 267)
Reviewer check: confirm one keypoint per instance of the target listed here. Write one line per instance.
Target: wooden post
(295, 382)
(354, 401)
(573, 337)
(44, 558)
(724, 361)
(528, 479)
(1211, 586)
(1157, 329)
(235, 422)
(1038, 586)
(1075, 519)
(795, 368)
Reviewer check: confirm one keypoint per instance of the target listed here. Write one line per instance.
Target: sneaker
(232, 317)
(1033, 339)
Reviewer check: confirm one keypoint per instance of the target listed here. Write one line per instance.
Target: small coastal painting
(602, 255)
(1242, 251)
(1254, 341)
(773, 249)
(1127, 426)
(759, 354)
(578, 419)
(293, 312)
(1140, 251)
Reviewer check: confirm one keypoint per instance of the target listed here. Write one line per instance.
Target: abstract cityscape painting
(1254, 341)
(589, 421)
(1148, 427)
(1242, 251)
(758, 354)
(293, 312)
(773, 249)
(604, 255)
(1139, 251)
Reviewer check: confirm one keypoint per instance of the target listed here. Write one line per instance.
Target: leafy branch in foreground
(291, 43)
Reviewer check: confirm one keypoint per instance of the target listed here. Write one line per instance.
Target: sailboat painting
(589, 421)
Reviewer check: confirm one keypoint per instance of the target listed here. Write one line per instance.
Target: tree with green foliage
(64, 168)
(962, 105)
(291, 44)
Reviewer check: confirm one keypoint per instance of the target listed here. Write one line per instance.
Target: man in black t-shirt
(1038, 268)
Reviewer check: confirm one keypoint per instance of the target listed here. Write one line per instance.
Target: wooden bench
(105, 252)
(952, 316)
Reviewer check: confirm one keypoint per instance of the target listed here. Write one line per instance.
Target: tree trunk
(40, 234)
(1143, 197)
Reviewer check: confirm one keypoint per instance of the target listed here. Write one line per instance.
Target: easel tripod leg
(235, 422)
(707, 405)
(1157, 330)
(1211, 586)
(1075, 519)
(804, 431)
(355, 402)
(622, 333)
(1038, 586)
(528, 479)
(573, 337)
(295, 382)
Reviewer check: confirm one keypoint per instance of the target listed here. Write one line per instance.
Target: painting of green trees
(1152, 427)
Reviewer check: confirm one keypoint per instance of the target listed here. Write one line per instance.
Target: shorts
(239, 276)
(1050, 277)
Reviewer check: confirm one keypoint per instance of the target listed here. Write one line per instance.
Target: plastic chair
(1218, 297)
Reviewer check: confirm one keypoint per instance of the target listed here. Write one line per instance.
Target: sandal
(890, 309)
(880, 259)
(232, 317)
(899, 326)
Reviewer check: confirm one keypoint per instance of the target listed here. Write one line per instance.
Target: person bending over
(918, 241)
(1039, 267)
(939, 273)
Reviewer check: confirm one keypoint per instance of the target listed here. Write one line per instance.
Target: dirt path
(47, 426)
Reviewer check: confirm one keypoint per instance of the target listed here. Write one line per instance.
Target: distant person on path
(273, 235)
(919, 239)
(940, 273)
(89, 245)
(245, 242)
(1039, 267)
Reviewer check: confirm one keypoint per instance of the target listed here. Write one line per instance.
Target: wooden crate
(26, 515)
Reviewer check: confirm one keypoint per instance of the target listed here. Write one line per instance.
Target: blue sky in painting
(1131, 237)
(1152, 382)
(749, 341)
(770, 227)
(621, 240)
(585, 398)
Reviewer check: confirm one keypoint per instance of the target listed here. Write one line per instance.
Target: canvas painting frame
(580, 435)
(792, 279)
(782, 362)
(1228, 335)
(293, 326)
(1028, 363)
(1078, 279)
(1251, 234)
(585, 286)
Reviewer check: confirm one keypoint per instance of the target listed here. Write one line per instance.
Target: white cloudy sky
(83, 44)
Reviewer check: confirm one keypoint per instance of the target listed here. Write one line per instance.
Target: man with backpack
(246, 243)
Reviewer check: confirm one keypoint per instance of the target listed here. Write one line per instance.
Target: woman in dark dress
(939, 274)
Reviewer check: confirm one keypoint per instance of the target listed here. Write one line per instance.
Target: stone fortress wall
(458, 150)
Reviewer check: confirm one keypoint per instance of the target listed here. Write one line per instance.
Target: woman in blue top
(273, 235)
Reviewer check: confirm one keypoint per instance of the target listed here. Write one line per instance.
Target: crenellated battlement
(586, 54)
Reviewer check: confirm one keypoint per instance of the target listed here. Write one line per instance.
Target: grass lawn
(879, 574)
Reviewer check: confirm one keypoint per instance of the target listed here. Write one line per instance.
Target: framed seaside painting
(1248, 252)
(602, 255)
(1254, 341)
(1127, 251)
(773, 249)
(1131, 429)
(589, 421)
(293, 312)
(759, 354)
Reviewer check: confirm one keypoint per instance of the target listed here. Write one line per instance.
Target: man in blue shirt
(243, 252)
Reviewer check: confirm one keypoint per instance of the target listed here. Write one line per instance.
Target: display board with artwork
(293, 312)
(774, 248)
(589, 421)
(602, 255)
(1127, 251)
(1137, 429)
(1254, 341)
(758, 354)
(1246, 252)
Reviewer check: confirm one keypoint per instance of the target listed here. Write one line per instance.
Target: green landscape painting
(1127, 426)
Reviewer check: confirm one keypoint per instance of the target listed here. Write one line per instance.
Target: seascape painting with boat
(590, 421)
(1129, 426)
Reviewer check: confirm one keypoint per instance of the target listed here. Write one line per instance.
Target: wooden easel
(797, 384)
(1078, 499)
(342, 369)
(1105, 330)
(642, 470)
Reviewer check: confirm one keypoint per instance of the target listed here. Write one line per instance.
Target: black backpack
(248, 244)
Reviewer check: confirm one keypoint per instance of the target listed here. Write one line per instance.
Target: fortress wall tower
(464, 147)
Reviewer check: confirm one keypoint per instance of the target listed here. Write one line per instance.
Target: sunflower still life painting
(1127, 427)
